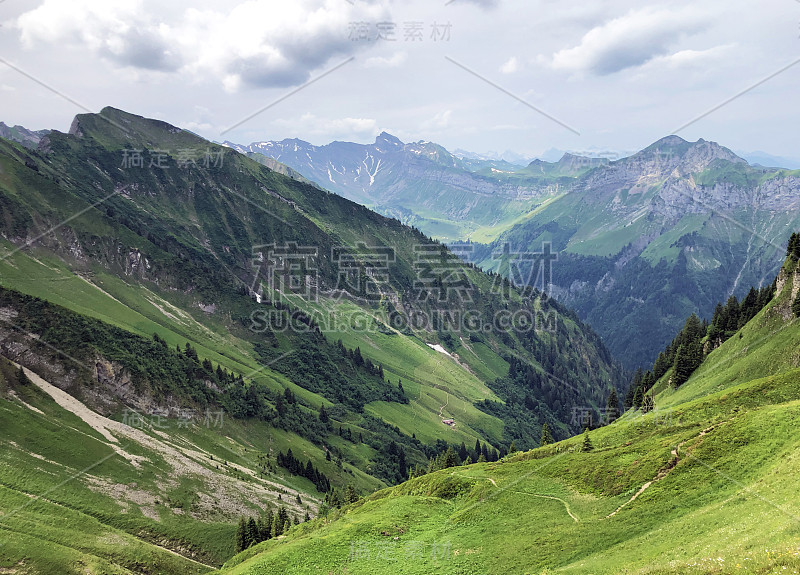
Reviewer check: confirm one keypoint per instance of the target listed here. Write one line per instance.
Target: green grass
(721, 455)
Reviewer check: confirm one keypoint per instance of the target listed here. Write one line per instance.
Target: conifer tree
(546, 439)
(612, 406)
(277, 526)
(241, 535)
(265, 525)
(252, 532)
(637, 397)
(350, 494)
(587, 443)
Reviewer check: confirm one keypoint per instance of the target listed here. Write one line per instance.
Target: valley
(372, 401)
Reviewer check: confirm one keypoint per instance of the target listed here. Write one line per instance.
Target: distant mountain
(508, 157)
(446, 195)
(646, 240)
(28, 138)
(770, 160)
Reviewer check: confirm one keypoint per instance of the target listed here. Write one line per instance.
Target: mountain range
(208, 338)
(210, 363)
(643, 240)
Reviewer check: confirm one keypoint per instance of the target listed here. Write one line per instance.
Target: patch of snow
(440, 349)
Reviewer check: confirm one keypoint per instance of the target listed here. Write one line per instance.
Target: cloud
(116, 31)
(397, 59)
(686, 58)
(255, 43)
(327, 129)
(481, 3)
(440, 121)
(629, 41)
(511, 66)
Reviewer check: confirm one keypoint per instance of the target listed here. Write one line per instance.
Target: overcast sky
(522, 75)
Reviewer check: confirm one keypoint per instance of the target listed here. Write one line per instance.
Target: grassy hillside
(140, 287)
(704, 483)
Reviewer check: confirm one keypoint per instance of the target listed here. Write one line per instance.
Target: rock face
(785, 279)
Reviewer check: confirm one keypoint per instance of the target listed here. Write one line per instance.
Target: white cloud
(256, 43)
(694, 57)
(440, 121)
(326, 129)
(117, 31)
(629, 41)
(511, 66)
(395, 60)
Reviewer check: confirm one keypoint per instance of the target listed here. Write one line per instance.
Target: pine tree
(277, 526)
(450, 459)
(793, 249)
(587, 443)
(265, 525)
(252, 532)
(22, 378)
(350, 494)
(612, 406)
(546, 439)
(462, 452)
(241, 535)
(637, 397)
(512, 448)
(323, 415)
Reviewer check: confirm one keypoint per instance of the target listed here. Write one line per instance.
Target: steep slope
(152, 229)
(647, 240)
(142, 277)
(704, 483)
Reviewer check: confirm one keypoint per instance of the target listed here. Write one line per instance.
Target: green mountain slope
(704, 483)
(136, 275)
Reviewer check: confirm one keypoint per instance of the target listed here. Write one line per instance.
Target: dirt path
(446, 402)
(566, 505)
(663, 472)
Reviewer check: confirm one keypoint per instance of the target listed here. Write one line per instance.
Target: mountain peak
(387, 138)
(698, 154)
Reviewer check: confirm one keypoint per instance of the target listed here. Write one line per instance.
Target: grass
(721, 473)
(729, 500)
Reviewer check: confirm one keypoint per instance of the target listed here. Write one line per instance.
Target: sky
(479, 75)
